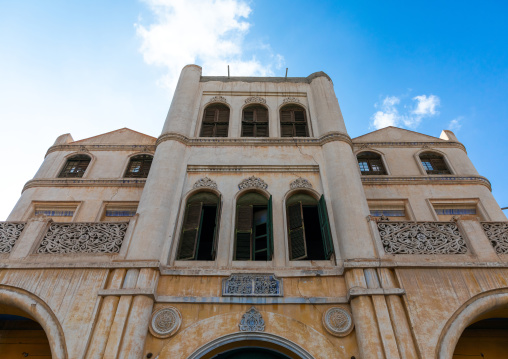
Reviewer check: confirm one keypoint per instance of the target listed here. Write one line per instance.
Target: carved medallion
(338, 321)
(252, 182)
(255, 99)
(252, 321)
(300, 183)
(291, 100)
(218, 99)
(165, 322)
(205, 182)
(252, 285)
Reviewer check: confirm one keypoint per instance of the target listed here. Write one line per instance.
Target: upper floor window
(309, 230)
(215, 121)
(255, 121)
(293, 121)
(371, 163)
(434, 164)
(254, 238)
(139, 166)
(198, 239)
(75, 166)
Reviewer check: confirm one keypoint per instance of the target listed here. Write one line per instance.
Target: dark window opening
(434, 164)
(139, 166)
(313, 237)
(293, 122)
(75, 166)
(255, 121)
(371, 164)
(215, 121)
(207, 233)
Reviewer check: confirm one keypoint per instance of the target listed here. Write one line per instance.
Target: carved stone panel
(255, 99)
(300, 183)
(254, 182)
(421, 238)
(218, 99)
(9, 234)
(290, 100)
(338, 321)
(498, 235)
(252, 321)
(165, 322)
(252, 285)
(205, 182)
(83, 238)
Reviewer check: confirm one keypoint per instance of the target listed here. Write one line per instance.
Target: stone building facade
(254, 226)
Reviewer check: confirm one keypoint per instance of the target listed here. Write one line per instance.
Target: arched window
(254, 238)
(293, 121)
(139, 166)
(198, 239)
(255, 121)
(215, 121)
(434, 163)
(371, 163)
(309, 230)
(75, 166)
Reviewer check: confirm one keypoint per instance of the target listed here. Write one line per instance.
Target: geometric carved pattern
(252, 321)
(255, 99)
(165, 322)
(498, 235)
(252, 182)
(338, 321)
(252, 285)
(300, 183)
(421, 238)
(9, 234)
(83, 238)
(205, 182)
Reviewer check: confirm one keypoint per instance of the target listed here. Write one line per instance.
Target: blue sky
(95, 66)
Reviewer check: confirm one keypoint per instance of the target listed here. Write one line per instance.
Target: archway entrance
(21, 336)
(251, 353)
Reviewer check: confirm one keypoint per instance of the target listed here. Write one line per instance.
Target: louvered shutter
(247, 129)
(217, 225)
(324, 224)
(297, 245)
(243, 232)
(190, 232)
(261, 122)
(270, 230)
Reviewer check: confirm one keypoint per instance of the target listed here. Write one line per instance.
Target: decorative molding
(338, 321)
(92, 148)
(249, 168)
(250, 93)
(421, 238)
(165, 322)
(252, 321)
(358, 292)
(255, 99)
(205, 182)
(9, 234)
(251, 300)
(83, 238)
(218, 99)
(300, 183)
(290, 100)
(253, 141)
(425, 180)
(252, 285)
(497, 232)
(360, 145)
(252, 182)
(81, 182)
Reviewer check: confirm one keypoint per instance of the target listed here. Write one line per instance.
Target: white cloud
(210, 33)
(389, 114)
(455, 124)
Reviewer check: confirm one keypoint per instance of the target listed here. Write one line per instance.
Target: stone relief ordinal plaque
(252, 285)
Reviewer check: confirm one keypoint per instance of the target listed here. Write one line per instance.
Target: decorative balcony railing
(497, 232)
(9, 234)
(421, 238)
(83, 238)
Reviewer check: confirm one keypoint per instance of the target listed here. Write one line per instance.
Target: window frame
(131, 158)
(215, 122)
(481, 211)
(254, 122)
(438, 153)
(382, 158)
(69, 157)
(305, 115)
(34, 205)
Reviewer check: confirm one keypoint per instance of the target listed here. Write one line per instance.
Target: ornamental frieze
(255, 99)
(290, 100)
(252, 182)
(497, 232)
(300, 183)
(252, 285)
(206, 183)
(218, 99)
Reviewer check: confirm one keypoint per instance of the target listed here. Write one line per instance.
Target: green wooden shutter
(270, 230)
(297, 245)
(217, 225)
(324, 224)
(243, 233)
(190, 232)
